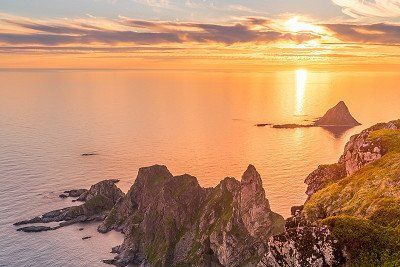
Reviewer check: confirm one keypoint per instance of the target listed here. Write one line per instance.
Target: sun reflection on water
(301, 80)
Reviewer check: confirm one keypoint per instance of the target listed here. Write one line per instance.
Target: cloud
(127, 31)
(370, 8)
(379, 33)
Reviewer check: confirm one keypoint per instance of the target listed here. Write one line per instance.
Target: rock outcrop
(99, 200)
(304, 244)
(360, 151)
(171, 221)
(323, 176)
(339, 115)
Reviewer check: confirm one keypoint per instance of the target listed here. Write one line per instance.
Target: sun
(294, 25)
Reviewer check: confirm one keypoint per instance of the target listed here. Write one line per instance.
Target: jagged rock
(305, 246)
(324, 175)
(360, 150)
(339, 115)
(170, 220)
(99, 200)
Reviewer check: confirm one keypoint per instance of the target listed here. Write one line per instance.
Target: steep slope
(339, 115)
(362, 209)
(172, 221)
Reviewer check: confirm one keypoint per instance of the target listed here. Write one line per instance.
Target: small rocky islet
(337, 116)
(351, 216)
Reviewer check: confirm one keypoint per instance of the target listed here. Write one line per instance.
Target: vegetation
(96, 204)
(363, 209)
(368, 243)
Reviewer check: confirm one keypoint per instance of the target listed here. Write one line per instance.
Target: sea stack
(338, 116)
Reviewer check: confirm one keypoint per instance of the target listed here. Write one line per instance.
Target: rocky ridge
(172, 221)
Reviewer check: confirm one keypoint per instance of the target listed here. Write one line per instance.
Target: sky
(159, 34)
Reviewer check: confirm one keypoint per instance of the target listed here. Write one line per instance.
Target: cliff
(172, 221)
(360, 203)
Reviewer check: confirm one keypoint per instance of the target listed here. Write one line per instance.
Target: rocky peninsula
(351, 216)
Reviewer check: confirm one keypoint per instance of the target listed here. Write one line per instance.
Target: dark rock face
(99, 200)
(170, 221)
(339, 115)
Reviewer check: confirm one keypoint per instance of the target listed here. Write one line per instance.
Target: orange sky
(243, 42)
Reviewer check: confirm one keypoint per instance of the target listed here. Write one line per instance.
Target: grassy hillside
(363, 209)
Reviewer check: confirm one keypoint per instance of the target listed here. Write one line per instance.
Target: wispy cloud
(380, 33)
(127, 31)
(370, 8)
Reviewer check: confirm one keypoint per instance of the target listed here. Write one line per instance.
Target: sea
(200, 122)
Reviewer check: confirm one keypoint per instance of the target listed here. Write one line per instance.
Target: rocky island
(338, 116)
(351, 216)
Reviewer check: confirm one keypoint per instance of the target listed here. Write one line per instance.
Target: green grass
(367, 190)
(96, 205)
(367, 243)
(363, 210)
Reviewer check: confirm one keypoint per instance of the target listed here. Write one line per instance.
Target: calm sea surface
(201, 123)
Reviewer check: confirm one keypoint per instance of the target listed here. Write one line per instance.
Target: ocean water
(196, 122)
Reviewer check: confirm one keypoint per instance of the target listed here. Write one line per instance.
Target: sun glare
(294, 25)
(301, 79)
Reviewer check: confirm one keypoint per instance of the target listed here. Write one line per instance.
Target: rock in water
(99, 200)
(338, 116)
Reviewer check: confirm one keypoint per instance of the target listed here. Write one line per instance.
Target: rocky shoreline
(171, 221)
